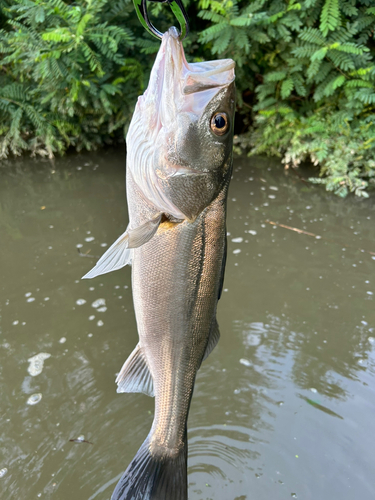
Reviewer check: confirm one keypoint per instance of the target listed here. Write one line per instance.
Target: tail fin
(154, 478)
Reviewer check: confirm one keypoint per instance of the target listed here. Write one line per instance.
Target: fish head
(184, 156)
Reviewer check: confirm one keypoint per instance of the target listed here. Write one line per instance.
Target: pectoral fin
(120, 254)
(135, 375)
(142, 234)
(212, 340)
(117, 256)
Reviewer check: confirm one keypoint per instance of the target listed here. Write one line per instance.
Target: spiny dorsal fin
(212, 340)
(135, 375)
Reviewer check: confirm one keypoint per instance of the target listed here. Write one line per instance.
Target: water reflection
(283, 405)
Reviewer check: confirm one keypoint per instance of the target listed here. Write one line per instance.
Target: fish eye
(219, 123)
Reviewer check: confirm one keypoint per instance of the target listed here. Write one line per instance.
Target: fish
(179, 165)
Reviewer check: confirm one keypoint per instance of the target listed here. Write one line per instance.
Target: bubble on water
(237, 391)
(254, 339)
(15, 322)
(251, 231)
(237, 240)
(28, 294)
(102, 309)
(97, 303)
(117, 287)
(293, 495)
(274, 188)
(236, 251)
(317, 237)
(89, 334)
(100, 323)
(369, 293)
(79, 245)
(62, 340)
(89, 238)
(245, 362)
(79, 168)
(34, 399)
(373, 257)
(313, 390)
(30, 299)
(103, 244)
(37, 362)
(272, 196)
(371, 340)
(3, 472)
(92, 317)
(50, 226)
(92, 288)
(46, 298)
(80, 302)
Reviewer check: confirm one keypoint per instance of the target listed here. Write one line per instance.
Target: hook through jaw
(177, 8)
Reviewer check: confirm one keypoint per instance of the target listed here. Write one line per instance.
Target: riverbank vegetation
(70, 73)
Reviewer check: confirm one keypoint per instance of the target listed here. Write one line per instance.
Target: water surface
(284, 406)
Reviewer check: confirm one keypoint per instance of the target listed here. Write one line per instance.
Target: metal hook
(177, 9)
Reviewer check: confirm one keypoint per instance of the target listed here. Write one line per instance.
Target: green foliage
(65, 73)
(70, 73)
(313, 64)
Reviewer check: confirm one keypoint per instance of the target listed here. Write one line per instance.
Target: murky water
(284, 407)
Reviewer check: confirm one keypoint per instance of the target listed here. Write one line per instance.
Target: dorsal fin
(213, 339)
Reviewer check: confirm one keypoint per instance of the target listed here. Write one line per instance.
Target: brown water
(285, 405)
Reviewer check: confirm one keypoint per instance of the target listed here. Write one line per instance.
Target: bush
(71, 71)
(312, 65)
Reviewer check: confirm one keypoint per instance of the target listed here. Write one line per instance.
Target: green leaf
(330, 16)
(286, 88)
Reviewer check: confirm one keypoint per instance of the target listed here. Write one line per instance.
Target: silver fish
(179, 164)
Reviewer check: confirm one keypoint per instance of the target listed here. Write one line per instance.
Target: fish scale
(179, 164)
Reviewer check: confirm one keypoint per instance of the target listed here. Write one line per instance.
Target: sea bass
(179, 164)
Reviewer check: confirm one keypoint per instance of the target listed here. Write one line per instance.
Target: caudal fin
(154, 478)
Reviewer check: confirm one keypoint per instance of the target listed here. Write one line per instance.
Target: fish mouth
(176, 85)
(208, 75)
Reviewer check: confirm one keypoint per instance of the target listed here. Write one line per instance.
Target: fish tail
(150, 477)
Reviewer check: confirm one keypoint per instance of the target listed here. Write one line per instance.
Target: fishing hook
(177, 9)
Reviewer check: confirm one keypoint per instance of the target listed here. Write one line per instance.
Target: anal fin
(213, 339)
(135, 375)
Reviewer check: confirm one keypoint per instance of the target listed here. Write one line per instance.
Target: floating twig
(86, 254)
(78, 440)
(317, 236)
